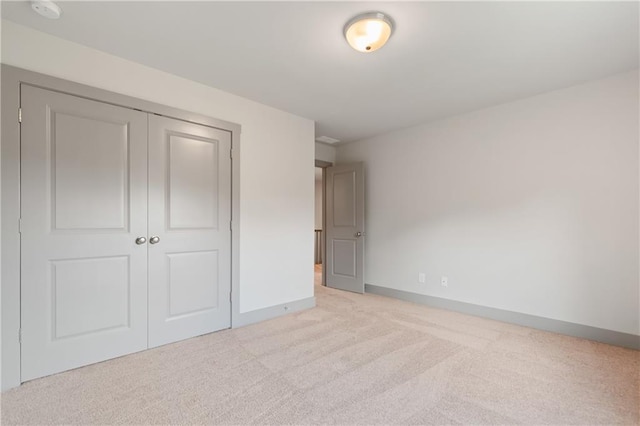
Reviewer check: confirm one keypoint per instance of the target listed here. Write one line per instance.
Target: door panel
(96, 200)
(193, 183)
(344, 200)
(83, 203)
(345, 227)
(90, 295)
(344, 257)
(190, 213)
(190, 284)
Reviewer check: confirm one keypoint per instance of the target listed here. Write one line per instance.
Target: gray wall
(531, 206)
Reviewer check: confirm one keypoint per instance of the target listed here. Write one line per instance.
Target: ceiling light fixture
(369, 31)
(46, 8)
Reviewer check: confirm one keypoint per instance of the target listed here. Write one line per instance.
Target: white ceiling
(444, 58)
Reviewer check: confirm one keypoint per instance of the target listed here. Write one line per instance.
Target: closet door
(83, 205)
(189, 230)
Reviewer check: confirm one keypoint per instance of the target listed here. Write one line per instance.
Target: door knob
(359, 234)
(141, 240)
(154, 240)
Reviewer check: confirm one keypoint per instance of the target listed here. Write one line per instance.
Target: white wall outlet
(444, 281)
(422, 277)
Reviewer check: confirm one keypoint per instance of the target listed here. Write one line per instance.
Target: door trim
(12, 79)
(323, 165)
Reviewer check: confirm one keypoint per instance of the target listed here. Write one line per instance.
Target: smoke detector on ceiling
(46, 8)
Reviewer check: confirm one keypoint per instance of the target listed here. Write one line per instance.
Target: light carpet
(354, 359)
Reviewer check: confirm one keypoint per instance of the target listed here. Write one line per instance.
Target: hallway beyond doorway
(317, 274)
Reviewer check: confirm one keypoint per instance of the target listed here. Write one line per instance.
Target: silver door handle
(141, 240)
(154, 240)
(359, 234)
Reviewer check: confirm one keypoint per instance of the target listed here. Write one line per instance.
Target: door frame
(11, 80)
(323, 165)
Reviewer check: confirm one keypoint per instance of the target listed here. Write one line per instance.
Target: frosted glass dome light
(368, 32)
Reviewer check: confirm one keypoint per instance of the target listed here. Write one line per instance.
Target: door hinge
(19, 115)
(230, 298)
(20, 226)
(19, 335)
(231, 154)
(230, 225)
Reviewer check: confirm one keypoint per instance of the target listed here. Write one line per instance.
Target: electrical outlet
(444, 281)
(422, 277)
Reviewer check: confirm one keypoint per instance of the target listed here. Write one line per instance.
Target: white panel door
(189, 229)
(83, 204)
(345, 227)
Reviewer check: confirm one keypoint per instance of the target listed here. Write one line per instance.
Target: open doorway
(319, 231)
(319, 237)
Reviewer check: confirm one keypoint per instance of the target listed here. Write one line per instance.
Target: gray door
(189, 231)
(125, 240)
(345, 227)
(83, 205)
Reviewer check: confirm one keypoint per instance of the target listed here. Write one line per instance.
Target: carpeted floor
(355, 359)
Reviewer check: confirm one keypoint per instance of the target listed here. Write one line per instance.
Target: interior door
(345, 227)
(83, 205)
(189, 229)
